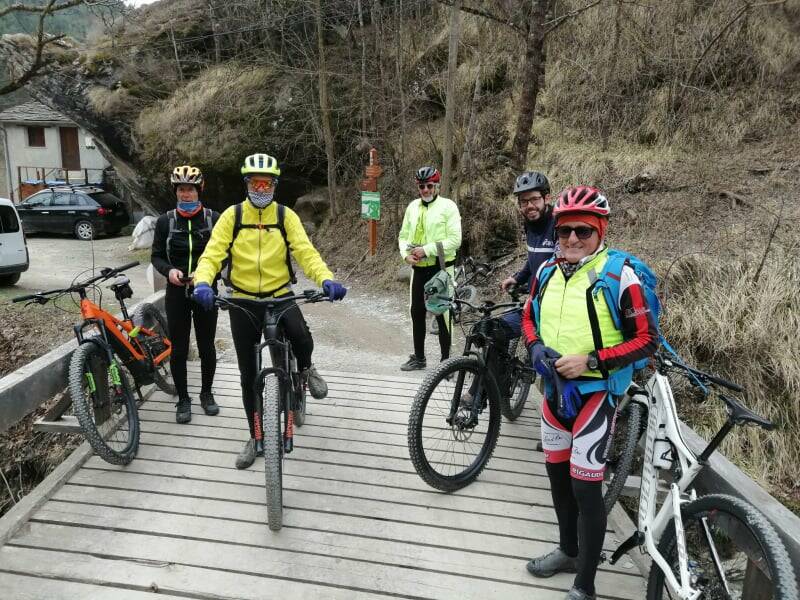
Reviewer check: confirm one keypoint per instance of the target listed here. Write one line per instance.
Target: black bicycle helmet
(532, 181)
(428, 175)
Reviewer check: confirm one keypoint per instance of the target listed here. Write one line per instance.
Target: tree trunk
(532, 73)
(467, 162)
(325, 112)
(452, 67)
(215, 31)
(400, 89)
(363, 73)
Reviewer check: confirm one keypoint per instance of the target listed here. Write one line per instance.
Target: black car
(84, 212)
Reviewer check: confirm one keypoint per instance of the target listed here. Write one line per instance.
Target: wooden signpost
(371, 199)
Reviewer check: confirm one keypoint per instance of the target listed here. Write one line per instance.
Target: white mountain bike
(702, 547)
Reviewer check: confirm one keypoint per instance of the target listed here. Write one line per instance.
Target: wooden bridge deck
(359, 523)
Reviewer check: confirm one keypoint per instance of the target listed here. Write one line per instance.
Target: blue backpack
(607, 282)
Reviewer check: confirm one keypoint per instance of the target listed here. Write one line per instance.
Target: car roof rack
(80, 187)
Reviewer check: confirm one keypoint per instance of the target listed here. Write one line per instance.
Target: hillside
(685, 112)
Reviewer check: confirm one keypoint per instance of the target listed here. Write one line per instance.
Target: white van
(13, 247)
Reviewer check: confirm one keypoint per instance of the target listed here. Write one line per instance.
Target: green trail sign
(371, 205)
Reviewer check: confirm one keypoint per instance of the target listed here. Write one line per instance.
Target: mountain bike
(114, 357)
(280, 394)
(702, 547)
(468, 273)
(454, 422)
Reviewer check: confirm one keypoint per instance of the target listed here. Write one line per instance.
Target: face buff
(188, 209)
(260, 199)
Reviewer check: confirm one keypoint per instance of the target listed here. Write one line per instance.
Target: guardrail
(24, 390)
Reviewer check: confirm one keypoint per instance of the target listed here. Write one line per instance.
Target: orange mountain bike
(109, 349)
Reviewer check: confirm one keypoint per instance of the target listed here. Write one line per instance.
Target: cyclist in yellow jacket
(256, 236)
(429, 219)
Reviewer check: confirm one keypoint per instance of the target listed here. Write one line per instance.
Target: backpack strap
(536, 302)
(282, 227)
(172, 229)
(440, 255)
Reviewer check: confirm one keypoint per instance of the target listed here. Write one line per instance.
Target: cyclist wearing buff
(579, 352)
(429, 219)
(260, 268)
(179, 239)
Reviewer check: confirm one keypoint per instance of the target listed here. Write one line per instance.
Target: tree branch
(33, 8)
(486, 15)
(557, 22)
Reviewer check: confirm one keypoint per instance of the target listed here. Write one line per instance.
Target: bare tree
(42, 40)
(450, 107)
(325, 111)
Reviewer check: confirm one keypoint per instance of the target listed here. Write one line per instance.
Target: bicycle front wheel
(106, 412)
(727, 540)
(273, 450)
(622, 451)
(452, 436)
(511, 405)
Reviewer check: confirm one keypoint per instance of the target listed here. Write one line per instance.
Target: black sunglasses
(426, 186)
(582, 232)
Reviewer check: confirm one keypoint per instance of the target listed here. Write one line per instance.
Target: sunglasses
(582, 232)
(260, 186)
(426, 186)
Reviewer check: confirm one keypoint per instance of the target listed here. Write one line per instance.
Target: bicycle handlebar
(310, 296)
(106, 273)
(703, 376)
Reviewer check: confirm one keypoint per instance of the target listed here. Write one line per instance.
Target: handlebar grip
(728, 384)
(128, 266)
(24, 298)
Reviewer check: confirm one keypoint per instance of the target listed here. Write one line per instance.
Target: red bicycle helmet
(428, 175)
(582, 199)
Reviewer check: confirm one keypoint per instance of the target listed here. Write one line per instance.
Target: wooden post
(370, 184)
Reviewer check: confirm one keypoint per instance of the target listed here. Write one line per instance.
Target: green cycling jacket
(441, 222)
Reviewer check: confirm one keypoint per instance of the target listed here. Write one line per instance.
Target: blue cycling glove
(570, 400)
(334, 290)
(204, 295)
(543, 359)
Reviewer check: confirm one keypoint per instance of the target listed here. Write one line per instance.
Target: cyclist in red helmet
(576, 346)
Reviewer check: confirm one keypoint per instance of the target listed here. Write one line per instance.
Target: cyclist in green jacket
(429, 219)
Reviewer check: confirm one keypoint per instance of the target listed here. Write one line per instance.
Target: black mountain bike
(454, 423)
(467, 274)
(280, 395)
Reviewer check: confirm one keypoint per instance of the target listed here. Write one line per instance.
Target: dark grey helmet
(428, 174)
(532, 181)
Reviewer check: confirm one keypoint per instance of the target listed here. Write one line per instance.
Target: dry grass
(747, 332)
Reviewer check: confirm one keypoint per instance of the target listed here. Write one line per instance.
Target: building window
(36, 137)
(89, 141)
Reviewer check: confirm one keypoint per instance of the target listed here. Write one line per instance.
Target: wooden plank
(26, 587)
(234, 368)
(320, 559)
(165, 484)
(296, 463)
(169, 578)
(255, 476)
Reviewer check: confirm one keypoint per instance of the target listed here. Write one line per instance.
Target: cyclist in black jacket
(180, 237)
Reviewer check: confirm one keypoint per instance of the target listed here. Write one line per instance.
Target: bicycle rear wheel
(149, 317)
(449, 456)
(622, 451)
(106, 412)
(273, 449)
(521, 377)
(741, 538)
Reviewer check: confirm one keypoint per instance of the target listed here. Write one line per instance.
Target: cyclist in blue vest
(580, 352)
(179, 239)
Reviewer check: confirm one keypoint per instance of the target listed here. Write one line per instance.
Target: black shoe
(413, 364)
(209, 405)
(183, 414)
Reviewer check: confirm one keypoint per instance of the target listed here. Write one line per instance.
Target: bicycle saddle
(740, 414)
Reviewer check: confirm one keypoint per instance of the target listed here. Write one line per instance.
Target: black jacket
(540, 237)
(177, 256)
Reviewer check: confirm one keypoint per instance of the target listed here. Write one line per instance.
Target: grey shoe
(316, 384)
(248, 454)
(551, 563)
(208, 403)
(576, 594)
(414, 364)
(183, 413)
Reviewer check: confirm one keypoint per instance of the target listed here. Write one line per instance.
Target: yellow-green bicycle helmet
(261, 164)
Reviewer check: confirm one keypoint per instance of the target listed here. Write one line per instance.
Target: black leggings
(181, 311)
(419, 277)
(581, 520)
(247, 331)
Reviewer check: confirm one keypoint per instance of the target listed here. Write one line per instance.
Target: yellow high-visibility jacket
(258, 256)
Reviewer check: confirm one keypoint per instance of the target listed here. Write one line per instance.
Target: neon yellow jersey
(439, 221)
(258, 256)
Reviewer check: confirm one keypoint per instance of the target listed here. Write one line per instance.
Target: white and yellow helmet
(186, 174)
(261, 164)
